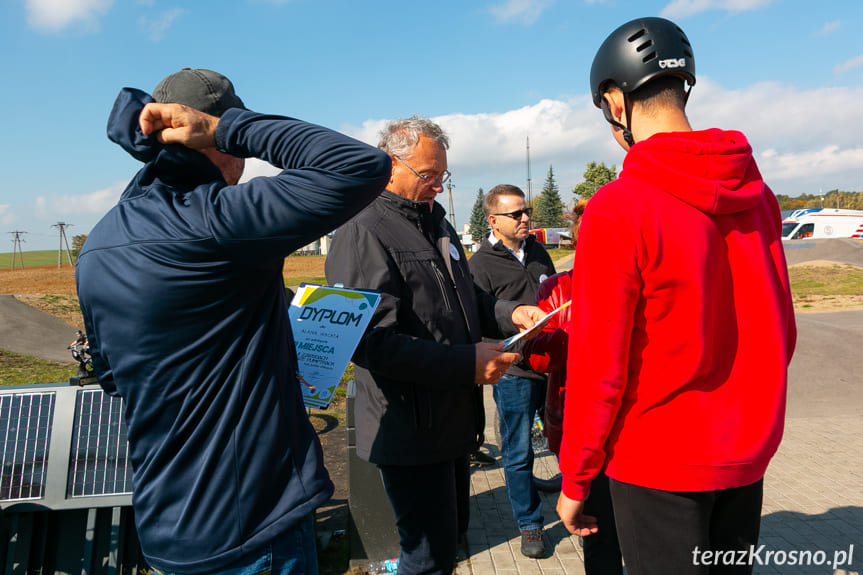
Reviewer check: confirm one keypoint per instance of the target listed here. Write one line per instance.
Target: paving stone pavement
(813, 501)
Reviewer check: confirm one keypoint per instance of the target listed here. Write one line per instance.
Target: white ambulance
(815, 223)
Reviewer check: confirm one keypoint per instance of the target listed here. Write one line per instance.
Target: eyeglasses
(427, 179)
(516, 215)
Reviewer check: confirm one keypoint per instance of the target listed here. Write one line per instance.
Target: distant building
(467, 239)
(319, 247)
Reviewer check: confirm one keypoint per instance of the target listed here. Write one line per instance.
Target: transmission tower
(449, 187)
(16, 247)
(63, 226)
(529, 195)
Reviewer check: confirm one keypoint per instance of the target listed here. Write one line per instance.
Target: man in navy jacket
(182, 293)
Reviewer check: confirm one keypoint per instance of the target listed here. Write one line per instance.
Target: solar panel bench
(66, 483)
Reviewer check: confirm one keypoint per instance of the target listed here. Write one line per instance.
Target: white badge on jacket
(453, 251)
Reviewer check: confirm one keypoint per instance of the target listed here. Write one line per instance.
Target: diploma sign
(328, 323)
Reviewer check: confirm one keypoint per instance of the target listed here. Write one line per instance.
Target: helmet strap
(627, 133)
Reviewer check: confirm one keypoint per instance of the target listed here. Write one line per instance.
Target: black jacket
(496, 270)
(416, 401)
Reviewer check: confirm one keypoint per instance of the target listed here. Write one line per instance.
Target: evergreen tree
(547, 208)
(478, 222)
(595, 176)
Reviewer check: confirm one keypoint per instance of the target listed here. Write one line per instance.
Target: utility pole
(449, 187)
(63, 226)
(16, 245)
(529, 196)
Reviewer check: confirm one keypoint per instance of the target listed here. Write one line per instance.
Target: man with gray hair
(420, 364)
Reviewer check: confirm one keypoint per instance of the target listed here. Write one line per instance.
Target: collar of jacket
(411, 209)
(500, 250)
(177, 165)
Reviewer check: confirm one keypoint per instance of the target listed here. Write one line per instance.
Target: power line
(63, 226)
(16, 245)
(450, 186)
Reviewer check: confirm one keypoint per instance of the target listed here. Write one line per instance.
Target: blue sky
(787, 73)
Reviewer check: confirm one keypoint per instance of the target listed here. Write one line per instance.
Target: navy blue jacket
(181, 289)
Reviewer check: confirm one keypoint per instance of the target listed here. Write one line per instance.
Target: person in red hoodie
(682, 325)
(547, 353)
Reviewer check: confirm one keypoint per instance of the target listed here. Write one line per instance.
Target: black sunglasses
(516, 215)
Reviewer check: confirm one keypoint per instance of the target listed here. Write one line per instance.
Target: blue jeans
(292, 553)
(517, 399)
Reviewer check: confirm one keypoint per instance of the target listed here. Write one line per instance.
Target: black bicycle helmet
(638, 51)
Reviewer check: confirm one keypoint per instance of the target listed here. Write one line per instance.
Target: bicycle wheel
(546, 474)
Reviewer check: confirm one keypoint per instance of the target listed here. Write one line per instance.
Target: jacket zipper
(441, 280)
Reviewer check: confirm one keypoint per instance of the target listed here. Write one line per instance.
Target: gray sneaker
(532, 544)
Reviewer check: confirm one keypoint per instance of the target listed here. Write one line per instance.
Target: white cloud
(155, 28)
(825, 161)
(525, 11)
(686, 8)
(491, 148)
(849, 65)
(6, 216)
(803, 139)
(256, 167)
(54, 15)
(829, 28)
(98, 202)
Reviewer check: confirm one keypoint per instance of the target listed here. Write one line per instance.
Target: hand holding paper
(537, 326)
(525, 316)
(491, 363)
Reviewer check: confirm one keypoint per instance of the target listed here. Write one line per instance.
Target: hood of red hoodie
(712, 170)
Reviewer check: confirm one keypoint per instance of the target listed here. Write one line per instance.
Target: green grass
(36, 258)
(557, 253)
(295, 281)
(826, 280)
(25, 370)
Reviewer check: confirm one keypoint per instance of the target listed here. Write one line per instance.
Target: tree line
(832, 199)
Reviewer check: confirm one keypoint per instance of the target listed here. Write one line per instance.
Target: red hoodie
(682, 323)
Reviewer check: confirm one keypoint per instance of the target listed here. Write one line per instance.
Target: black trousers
(601, 550)
(430, 503)
(663, 532)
